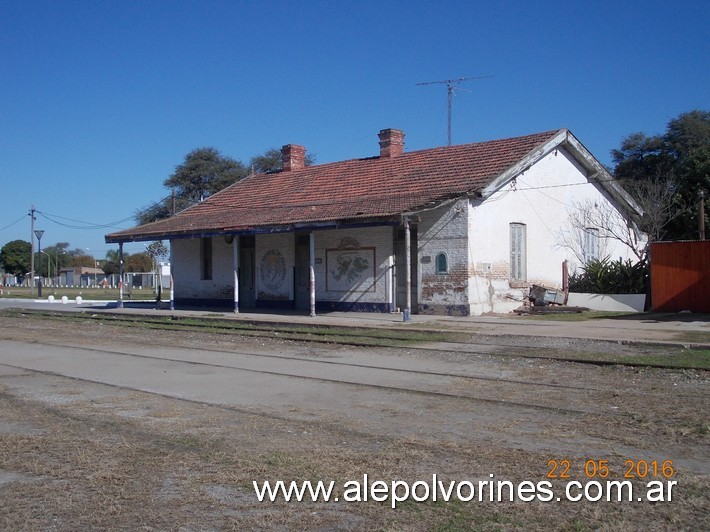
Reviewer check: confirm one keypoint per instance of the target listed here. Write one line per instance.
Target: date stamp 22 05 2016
(564, 469)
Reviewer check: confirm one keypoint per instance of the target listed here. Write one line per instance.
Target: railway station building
(457, 230)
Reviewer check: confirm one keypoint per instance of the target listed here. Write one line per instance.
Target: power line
(570, 184)
(13, 223)
(527, 187)
(85, 225)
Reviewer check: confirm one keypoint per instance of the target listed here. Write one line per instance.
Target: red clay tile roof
(357, 189)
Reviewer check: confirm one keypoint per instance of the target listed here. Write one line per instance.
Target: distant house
(479, 221)
(81, 276)
(7, 279)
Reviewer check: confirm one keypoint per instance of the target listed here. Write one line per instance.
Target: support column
(119, 303)
(391, 290)
(312, 272)
(172, 285)
(236, 274)
(406, 315)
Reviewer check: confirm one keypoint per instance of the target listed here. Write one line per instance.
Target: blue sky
(100, 100)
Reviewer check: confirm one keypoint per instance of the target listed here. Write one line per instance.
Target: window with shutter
(591, 243)
(518, 268)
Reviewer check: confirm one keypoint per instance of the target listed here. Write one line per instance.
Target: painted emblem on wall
(350, 270)
(273, 269)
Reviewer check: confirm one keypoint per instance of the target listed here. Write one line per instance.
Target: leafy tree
(42, 263)
(58, 256)
(138, 262)
(110, 266)
(82, 259)
(676, 165)
(15, 257)
(158, 210)
(203, 172)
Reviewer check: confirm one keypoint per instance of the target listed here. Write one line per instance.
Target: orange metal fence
(680, 276)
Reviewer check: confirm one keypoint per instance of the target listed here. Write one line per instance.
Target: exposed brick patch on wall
(443, 230)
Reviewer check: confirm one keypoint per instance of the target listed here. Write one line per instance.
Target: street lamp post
(38, 234)
(56, 267)
(49, 264)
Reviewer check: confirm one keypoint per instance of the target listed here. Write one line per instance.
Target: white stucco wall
(542, 198)
(187, 275)
(275, 262)
(372, 286)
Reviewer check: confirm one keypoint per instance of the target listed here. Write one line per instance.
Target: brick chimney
(293, 157)
(391, 142)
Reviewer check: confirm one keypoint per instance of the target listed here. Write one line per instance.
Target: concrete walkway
(684, 329)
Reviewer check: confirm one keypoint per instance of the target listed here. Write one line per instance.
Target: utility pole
(451, 85)
(31, 214)
(39, 233)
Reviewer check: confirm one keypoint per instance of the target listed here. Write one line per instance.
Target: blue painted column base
(405, 315)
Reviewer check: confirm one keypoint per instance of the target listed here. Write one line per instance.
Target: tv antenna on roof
(451, 85)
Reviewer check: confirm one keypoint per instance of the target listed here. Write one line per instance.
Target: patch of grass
(684, 358)
(189, 441)
(99, 294)
(458, 517)
(671, 358)
(371, 337)
(693, 337)
(577, 316)
(666, 357)
(697, 429)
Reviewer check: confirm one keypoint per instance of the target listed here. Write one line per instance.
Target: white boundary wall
(609, 302)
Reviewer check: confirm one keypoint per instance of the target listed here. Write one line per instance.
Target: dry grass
(190, 466)
(79, 456)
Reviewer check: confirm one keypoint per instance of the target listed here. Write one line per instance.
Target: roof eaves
(523, 164)
(140, 236)
(600, 175)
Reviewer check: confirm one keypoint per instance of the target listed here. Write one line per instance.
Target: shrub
(603, 276)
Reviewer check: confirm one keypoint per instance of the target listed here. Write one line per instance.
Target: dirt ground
(80, 453)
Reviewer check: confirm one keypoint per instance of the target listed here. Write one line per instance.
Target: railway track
(451, 342)
(450, 385)
(422, 393)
